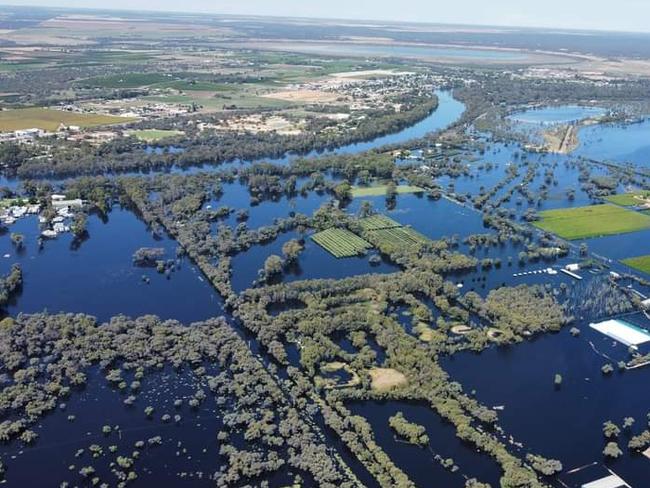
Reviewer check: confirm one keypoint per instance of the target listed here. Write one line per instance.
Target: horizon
(193, 8)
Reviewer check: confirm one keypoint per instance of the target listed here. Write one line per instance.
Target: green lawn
(592, 221)
(630, 199)
(49, 120)
(379, 190)
(153, 135)
(641, 263)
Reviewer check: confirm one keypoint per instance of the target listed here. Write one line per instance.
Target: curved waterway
(97, 277)
(446, 113)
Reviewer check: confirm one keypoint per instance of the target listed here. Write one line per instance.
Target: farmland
(630, 199)
(388, 235)
(50, 120)
(592, 221)
(640, 263)
(378, 221)
(378, 190)
(130, 80)
(341, 243)
(396, 238)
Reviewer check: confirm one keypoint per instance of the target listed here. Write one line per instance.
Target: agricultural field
(640, 263)
(592, 221)
(378, 190)
(396, 238)
(130, 80)
(378, 221)
(154, 135)
(50, 120)
(630, 199)
(341, 243)
(191, 85)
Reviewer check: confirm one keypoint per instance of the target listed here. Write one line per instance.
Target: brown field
(384, 379)
(50, 120)
(257, 123)
(305, 96)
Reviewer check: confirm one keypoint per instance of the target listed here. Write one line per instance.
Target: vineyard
(395, 238)
(341, 243)
(377, 222)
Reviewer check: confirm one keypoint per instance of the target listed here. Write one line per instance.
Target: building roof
(623, 332)
(611, 481)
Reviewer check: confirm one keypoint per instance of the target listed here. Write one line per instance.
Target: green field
(395, 238)
(130, 80)
(341, 243)
(378, 190)
(189, 85)
(630, 199)
(378, 221)
(154, 135)
(592, 221)
(641, 263)
(50, 120)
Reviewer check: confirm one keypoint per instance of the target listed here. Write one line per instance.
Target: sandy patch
(258, 123)
(309, 96)
(384, 379)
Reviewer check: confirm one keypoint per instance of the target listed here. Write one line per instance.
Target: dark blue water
(564, 423)
(418, 462)
(98, 277)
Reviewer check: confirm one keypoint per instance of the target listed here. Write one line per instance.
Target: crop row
(341, 242)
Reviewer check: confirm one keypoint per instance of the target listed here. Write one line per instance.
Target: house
(611, 481)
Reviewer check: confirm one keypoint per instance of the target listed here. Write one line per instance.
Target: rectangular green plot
(640, 263)
(378, 190)
(396, 238)
(378, 221)
(592, 221)
(341, 243)
(630, 199)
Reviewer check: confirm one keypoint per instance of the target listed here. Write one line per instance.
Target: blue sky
(631, 15)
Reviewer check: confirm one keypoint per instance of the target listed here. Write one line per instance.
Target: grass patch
(384, 379)
(341, 243)
(50, 120)
(630, 199)
(379, 190)
(640, 263)
(129, 80)
(592, 221)
(378, 221)
(190, 85)
(154, 135)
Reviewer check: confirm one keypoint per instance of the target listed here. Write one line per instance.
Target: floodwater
(96, 276)
(621, 143)
(563, 423)
(563, 114)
